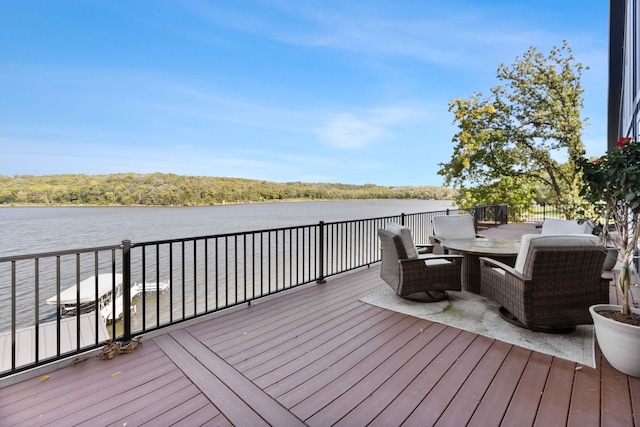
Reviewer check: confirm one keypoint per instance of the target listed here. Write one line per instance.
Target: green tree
(523, 135)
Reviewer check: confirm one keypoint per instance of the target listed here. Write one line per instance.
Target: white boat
(69, 299)
(149, 288)
(107, 310)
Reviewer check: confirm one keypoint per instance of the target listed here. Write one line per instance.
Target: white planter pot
(619, 342)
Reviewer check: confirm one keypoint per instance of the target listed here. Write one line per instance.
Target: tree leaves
(159, 189)
(515, 136)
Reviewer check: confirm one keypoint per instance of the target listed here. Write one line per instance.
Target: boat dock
(26, 339)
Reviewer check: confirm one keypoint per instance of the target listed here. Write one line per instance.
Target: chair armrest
(424, 248)
(448, 257)
(492, 263)
(425, 257)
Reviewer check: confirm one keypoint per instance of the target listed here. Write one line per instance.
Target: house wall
(624, 70)
(624, 74)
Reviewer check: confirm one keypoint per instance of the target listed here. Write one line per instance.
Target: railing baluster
(126, 290)
(37, 308)
(320, 252)
(13, 315)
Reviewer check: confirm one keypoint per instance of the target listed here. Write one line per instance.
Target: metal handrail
(206, 274)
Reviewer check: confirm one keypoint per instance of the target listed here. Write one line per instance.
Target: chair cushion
(405, 236)
(565, 226)
(531, 241)
(454, 227)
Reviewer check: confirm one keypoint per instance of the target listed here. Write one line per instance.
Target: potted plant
(612, 185)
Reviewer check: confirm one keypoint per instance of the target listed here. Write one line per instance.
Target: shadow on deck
(318, 356)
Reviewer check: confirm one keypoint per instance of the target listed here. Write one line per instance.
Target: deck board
(363, 336)
(259, 401)
(66, 381)
(586, 394)
(438, 356)
(346, 363)
(615, 410)
(499, 394)
(371, 394)
(526, 399)
(440, 397)
(556, 397)
(359, 383)
(230, 404)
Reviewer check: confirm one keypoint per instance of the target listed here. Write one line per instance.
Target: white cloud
(348, 131)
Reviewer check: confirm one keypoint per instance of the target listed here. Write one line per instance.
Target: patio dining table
(473, 248)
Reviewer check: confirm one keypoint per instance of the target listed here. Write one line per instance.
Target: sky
(338, 91)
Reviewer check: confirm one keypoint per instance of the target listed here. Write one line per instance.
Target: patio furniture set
(544, 282)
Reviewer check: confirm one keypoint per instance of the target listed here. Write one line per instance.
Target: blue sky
(317, 91)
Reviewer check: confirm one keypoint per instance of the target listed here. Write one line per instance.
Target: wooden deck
(318, 356)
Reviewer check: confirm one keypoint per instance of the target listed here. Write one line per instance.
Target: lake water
(44, 229)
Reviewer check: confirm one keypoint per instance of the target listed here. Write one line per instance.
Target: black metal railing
(206, 274)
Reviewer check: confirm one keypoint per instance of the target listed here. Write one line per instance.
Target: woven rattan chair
(451, 227)
(566, 226)
(407, 238)
(554, 281)
(417, 277)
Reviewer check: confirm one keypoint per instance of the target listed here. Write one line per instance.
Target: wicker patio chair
(451, 227)
(424, 278)
(566, 226)
(410, 244)
(554, 281)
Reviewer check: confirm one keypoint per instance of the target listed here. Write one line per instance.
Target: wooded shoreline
(158, 189)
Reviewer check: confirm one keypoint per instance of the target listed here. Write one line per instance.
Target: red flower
(622, 141)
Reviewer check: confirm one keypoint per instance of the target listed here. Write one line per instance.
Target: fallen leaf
(116, 373)
(578, 368)
(44, 377)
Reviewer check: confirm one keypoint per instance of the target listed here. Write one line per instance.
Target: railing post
(126, 290)
(321, 253)
(402, 219)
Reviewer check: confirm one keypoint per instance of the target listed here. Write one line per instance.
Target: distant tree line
(160, 189)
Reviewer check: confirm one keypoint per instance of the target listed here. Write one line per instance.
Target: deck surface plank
(317, 355)
(464, 405)
(586, 394)
(372, 394)
(526, 399)
(447, 388)
(259, 401)
(614, 410)
(362, 337)
(499, 395)
(295, 346)
(62, 382)
(557, 394)
(440, 356)
(225, 399)
(274, 329)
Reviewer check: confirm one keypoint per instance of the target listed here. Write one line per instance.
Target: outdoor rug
(474, 313)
